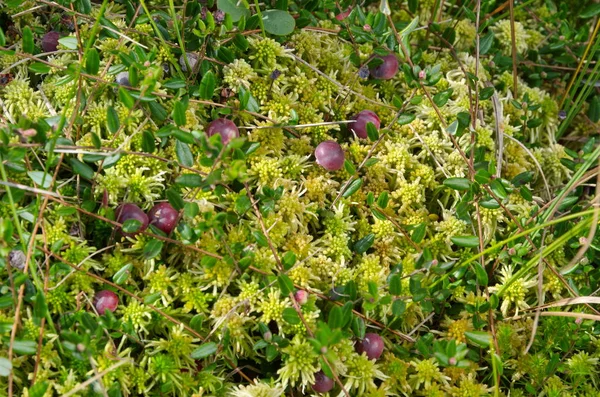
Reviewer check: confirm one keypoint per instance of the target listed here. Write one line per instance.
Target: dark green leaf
(395, 284)
(189, 180)
(335, 319)
(122, 274)
(278, 22)
(112, 120)
(126, 98)
(39, 389)
(406, 118)
(489, 203)
(418, 233)
(174, 84)
(158, 111)
(398, 307)
(81, 168)
(152, 248)
(175, 199)
(457, 183)
(184, 154)
(498, 189)
(92, 61)
(481, 274)
(39, 68)
(466, 241)
(290, 315)
(260, 238)
(131, 225)
(288, 259)
(148, 143)
(28, 46)
(486, 93)
(204, 351)
(362, 245)
(485, 43)
(2, 38)
(349, 167)
(590, 11)
(285, 284)
(179, 113)
(383, 199)
(40, 306)
(372, 132)
(207, 85)
(353, 188)
(594, 110)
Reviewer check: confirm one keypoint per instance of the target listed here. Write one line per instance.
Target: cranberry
(164, 217)
(323, 383)
(106, 300)
(330, 155)
(131, 211)
(387, 69)
(372, 345)
(226, 128)
(301, 297)
(359, 127)
(50, 41)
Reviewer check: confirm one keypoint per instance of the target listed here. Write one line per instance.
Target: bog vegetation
(326, 198)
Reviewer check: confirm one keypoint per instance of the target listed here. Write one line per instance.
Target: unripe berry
(105, 300)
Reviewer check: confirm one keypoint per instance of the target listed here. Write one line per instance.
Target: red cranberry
(323, 383)
(125, 212)
(50, 41)
(106, 300)
(164, 217)
(372, 345)
(330, 155)
(342, 15)
(301, 297)
(226, 128)
(387, 69)
(359, 127)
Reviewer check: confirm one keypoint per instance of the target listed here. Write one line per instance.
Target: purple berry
(106, 300)
(359, 127)
(192, 59)
(164, 217)
(372, 345)
(387, 69)
(122, 78)
(125, 212)
(50, 41)
(323, 383)
(330, 155)
(226, 128)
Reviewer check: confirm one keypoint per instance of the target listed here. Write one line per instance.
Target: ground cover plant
(328, 198)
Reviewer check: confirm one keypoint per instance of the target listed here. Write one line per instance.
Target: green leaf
(285, 284)
(288, 259)
(28, 46)
(41, 178)
(260, 238)
(418, 233)
(466, 241)
(152, 248)
(353, 188)
(383, 199)
(364, 243)
(207, 85)
(489, 203)
(453, 127)
(349, 167)
(231, 8)
(481, 274)
(498, 189)
(479, 338)
(158, 111)
(81, 168)
(486, 93)
(485, 43)
(5, 366)
(179, 113)
(112, 120)
(406, 118)
(398, 307)
(372, 132)
(184, 154)
(92, 61)
(457, 183)
(441, 98)
(148, 143)
(25, 347)
(290, 315)
(335, 319)
(594, 110)
(126, 98)
(69, 42)
(395, 285)
(175, 199)
(40, 307)
(131, 225)
(278, 22)
(2, 38)
(39, 389)
(204, 351)
(174, 84)
(122, 274)
(590, 11)
(189, 180)
(39, 68)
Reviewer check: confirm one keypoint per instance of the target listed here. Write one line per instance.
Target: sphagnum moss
(277, 262)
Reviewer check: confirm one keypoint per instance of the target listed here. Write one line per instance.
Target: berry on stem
(372, 345)
(330, 155)
(50, 41)
(226, 128)
(359, 127)
(164, 217)
(106, 300)
(323, 383)
(387, 69)
(125, 212)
